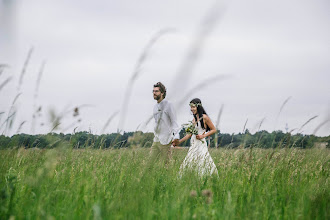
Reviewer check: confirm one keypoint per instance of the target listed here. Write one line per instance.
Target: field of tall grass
(254, 183)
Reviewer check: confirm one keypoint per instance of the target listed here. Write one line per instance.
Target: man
(166, 127)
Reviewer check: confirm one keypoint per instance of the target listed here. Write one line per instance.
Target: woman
(198, 157)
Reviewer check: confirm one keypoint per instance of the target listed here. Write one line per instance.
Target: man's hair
(161, 87)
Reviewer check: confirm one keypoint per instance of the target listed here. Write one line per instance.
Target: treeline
(262, 139)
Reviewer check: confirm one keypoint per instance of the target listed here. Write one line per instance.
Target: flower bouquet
(190, 128)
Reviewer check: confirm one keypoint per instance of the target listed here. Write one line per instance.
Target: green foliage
(141, 139)
(254, 183)
(84, 139)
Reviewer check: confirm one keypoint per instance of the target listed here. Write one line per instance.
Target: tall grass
(254, 183)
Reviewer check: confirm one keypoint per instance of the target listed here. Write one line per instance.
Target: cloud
(273, 49)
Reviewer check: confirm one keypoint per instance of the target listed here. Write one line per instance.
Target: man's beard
(157, 97)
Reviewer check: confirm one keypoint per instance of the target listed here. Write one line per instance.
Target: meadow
(253, 183)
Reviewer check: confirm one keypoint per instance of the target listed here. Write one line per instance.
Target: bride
(198, 157)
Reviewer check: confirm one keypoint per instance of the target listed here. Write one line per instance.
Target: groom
(166, 127)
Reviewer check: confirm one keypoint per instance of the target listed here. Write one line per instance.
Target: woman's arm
(177, 142)
(210, 124)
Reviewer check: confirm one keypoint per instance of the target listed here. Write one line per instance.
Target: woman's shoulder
(206, 117)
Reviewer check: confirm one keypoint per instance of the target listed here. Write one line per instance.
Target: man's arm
(174, 124)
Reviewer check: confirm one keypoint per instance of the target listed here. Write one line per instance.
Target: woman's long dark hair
(200, 112)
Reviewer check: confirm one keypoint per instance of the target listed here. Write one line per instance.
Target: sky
(264, 65)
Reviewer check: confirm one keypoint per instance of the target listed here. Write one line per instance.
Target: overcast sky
(250, 57)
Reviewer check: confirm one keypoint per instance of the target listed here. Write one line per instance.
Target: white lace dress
(198, 157)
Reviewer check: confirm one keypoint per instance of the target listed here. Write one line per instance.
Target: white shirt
(166, 127)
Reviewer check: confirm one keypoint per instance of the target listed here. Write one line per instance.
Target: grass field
(113, 184)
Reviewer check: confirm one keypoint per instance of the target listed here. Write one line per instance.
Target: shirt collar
(163, 102)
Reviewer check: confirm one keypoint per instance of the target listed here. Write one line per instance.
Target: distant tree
(262, 139)
(4, 141)
(140, 139)
(182, 133)
(224, 140)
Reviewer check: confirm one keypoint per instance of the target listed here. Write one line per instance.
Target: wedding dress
(198, 157)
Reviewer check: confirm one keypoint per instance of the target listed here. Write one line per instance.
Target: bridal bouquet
(190, 128)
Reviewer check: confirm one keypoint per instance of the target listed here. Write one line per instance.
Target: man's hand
(175, 142)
